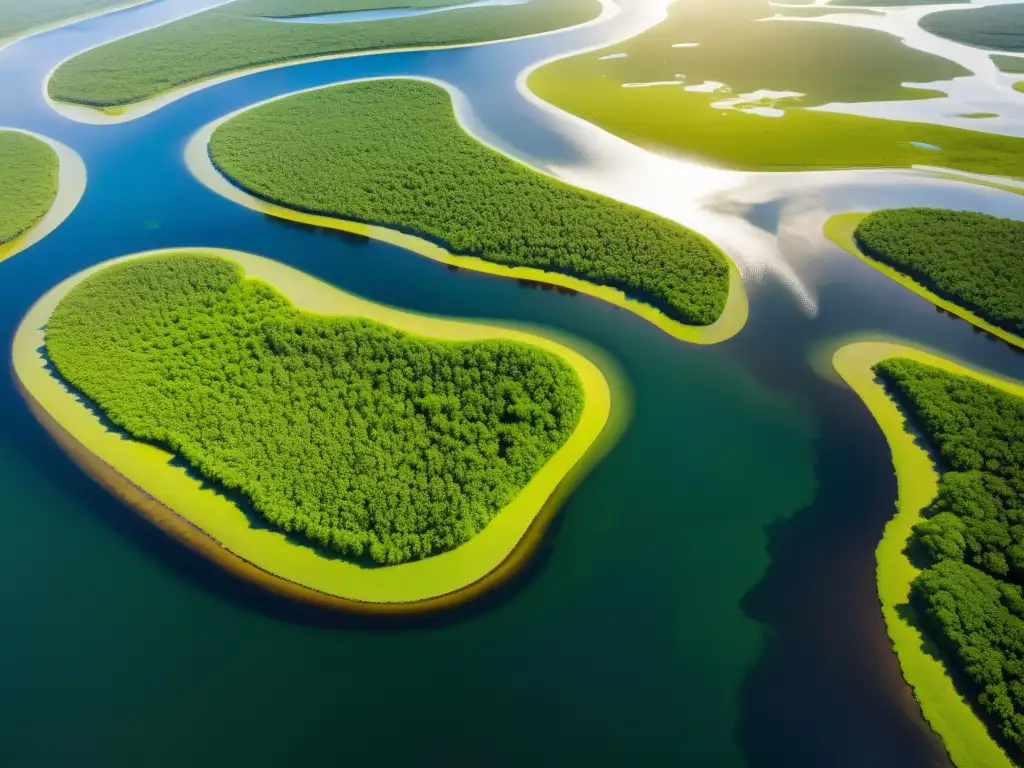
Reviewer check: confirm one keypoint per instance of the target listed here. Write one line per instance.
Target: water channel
(707, 595)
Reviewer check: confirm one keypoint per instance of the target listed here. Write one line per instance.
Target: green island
(20, 18)
(391, 153)
(997, 27)
(238, 36)
(337, 450)
(713, 69)
(912, 586)
(29, 168)
(1009, 64)
(969, 264)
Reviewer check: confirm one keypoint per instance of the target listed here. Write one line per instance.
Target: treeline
(998, 27)
(19, 16)
(366, 440)
(391, 152)
(234, 37)
(29, 170)
(972, 259)
(971, 593)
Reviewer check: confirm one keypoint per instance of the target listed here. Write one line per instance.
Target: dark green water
(706, 597)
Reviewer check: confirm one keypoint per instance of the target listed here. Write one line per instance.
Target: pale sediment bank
(71, 179)
(184, 506)
(965, 736)
(839, 229)
(731, 321)
(123, 113)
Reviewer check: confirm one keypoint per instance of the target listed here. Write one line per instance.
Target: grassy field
(29, 171)
(392, 153)
(1011, 64)
(744, 56)
(998, 27)
(186, 506)
(234, 37)
(20, 16)
(964, 735)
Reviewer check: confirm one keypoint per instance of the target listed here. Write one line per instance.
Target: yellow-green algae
(839, 229)
(71, 178)
(731, 321)
(966, 738)
(185, 506)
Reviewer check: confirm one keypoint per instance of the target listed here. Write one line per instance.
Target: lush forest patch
(366, 440)
(999, 27)
(20, 16)
(391, 152)
(233, 37)
(971, 593)
(973, 259)
(29, 170)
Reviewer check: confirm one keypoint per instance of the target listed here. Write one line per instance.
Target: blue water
(383, 14)
(705, 599)
(925, 145)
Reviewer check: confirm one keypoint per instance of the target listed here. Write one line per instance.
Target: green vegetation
(970, 595)
(367, 440)
(391, 152)
(233, 37)
(1011, 64)
(1019, 86)
(973, 259)
(892, 3)
(21, 16)
(742, 53)
(999, 27)
(29, 170)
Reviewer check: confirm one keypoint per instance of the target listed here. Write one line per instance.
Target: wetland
(714, 566)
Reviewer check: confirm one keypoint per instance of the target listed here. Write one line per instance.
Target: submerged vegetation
(20, 16)
(735, 55)
(391, 152)
(29, 169)
(973, 539)
(235, 36)
(972, 259)
(364, 439)
(997, 27)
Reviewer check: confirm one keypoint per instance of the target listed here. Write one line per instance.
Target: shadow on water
(205, 574)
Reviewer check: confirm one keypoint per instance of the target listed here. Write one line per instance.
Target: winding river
(706, 596)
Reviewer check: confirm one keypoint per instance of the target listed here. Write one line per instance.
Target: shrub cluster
(391, 152)
(29, 170)
(366, 440)
(973, 259)
(971, 594)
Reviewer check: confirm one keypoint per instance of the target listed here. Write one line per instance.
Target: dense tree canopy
(29, 172)
(971, 595)
(364, 439)
(391, 152)
(235, 36)
(970, 258)
(999, 27)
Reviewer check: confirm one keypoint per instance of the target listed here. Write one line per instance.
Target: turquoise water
(706, 597)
